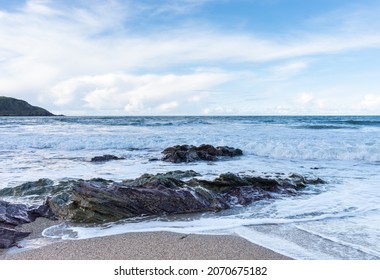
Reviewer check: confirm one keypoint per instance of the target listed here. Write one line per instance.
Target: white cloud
(40, 7)
(167, 106)
(371, 102)
(285, 71)
(197, 97)
(332, 101)
(174, 6)
(304, 98)
(105, 98)
(218, 110)
(72, 40)
(134, 94)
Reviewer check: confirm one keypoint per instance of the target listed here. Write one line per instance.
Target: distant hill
(15, 107)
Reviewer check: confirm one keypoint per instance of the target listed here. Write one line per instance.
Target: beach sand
(146, 246)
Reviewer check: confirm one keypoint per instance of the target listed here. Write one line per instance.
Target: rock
(105, 158)
(37, 191)
(244, 190)
(189, 153)
(169, 177)
(177, 154)
(16, 214)
(9, 237)
(40, 187)
(175, 192)
(94, 202)
(99, 201)
(12, 215)
(180, 174)
(226, 151)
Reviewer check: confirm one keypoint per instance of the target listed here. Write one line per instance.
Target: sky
(192, 57)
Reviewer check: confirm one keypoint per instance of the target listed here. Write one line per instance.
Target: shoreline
(142, 246)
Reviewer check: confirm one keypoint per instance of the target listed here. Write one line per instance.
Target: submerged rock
(189, 153)
(105, 158)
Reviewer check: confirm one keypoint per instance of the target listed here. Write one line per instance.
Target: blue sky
(192, 57)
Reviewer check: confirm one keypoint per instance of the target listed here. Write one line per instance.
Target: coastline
(144, 246)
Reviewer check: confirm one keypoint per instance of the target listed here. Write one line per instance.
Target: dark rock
(220, 184)
(171, 176)
(9, 236)
(105, 158)
(180, 174)
(176, 192)
(189, 153)
(93, 202)
(16, 214)
(226, 151)
(40, 187)
(12, 215)
(15, 107)
(37, 191)
(177, 154)
(98, 201)
(244, 190)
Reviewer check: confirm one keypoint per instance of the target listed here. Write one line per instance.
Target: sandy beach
(145, 246)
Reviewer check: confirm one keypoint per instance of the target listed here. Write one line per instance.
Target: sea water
(336, 220)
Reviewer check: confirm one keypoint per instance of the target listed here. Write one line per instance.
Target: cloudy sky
(192, 57)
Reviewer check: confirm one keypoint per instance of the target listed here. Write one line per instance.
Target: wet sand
(145, 246)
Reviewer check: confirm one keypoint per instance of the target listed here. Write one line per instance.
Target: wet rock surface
(37, 191)
(12, 215)
(244, 190)
(16, 214)
(190, 153)
(96, 202)
(105, 158)
(9, 236)
(167, 193)
(176, 192)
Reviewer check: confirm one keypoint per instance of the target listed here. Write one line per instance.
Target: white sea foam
(274, 141)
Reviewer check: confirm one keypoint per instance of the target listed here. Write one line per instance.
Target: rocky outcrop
(40, 187)
(244, 190)
(16, 107)
(176, 192)
(189, 153)
(36, 192)
(98, 202)
(12, 215)
(103, 201)
(105, 158)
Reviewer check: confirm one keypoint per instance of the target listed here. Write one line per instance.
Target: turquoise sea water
(338, 220)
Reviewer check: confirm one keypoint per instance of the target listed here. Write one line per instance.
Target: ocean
(336, 220)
